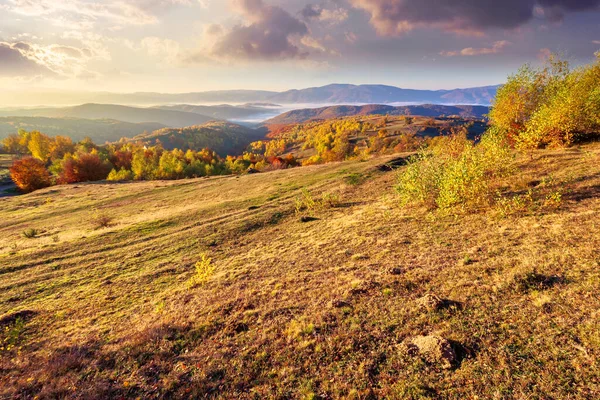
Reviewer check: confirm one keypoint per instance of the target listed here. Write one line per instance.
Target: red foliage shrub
(84, 168)
(30, 174)
(122, 159)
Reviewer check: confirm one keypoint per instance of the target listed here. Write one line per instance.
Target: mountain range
(426, 110)
(330, 94)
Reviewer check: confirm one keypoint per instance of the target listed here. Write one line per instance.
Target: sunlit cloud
(84, 14)
(29, 59)
(496, 48)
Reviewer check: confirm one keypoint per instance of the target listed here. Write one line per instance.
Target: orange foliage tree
(30, 174)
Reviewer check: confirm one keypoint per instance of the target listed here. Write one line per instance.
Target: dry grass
(303, 310)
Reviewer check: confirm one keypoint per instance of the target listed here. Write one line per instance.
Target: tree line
(47, 161)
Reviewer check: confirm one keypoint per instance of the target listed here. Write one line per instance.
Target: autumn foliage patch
(30, 174)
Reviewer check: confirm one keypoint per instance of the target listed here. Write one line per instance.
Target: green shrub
(100, 221)
(454, 171)
(30, 233)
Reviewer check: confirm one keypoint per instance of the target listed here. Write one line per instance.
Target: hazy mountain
(427, 110)
(223, 137)
(100, 130)
(336, 93)
(385, 94)
(172, 118)
(224, 111)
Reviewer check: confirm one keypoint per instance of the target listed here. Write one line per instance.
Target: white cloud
(166, 49)
(84, 14)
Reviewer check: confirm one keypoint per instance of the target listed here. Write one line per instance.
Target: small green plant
(12, 335)
(553, 199)
(30, 233)
(305, 202)
(330, 200)
(100, 221)
(159, 307)
(516, 205)
(298, 328)
(354, 179)
(204, 270)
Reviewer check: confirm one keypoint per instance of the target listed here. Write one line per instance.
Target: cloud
(13, 62)
(83, 14)
(396, 17)
(496, 48)
(596, 41)
(158, 47)
(268, 34)
(317, 12)
(22, 59)
(311, 11)
(167, 51)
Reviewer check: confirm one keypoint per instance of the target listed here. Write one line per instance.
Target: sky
(197, 45)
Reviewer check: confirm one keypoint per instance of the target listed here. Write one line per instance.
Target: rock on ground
(433, 349)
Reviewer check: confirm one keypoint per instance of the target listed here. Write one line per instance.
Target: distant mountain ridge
(129, 114)
(334, 94)
(426, 110)
(100, 130)
(382, 94)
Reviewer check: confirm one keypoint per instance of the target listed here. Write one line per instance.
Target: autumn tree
(61, 146)
(550, 106)
(39, 145)
(30, 174)
(84, 168)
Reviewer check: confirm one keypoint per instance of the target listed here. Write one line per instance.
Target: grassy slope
(5, 162)
(300, 309)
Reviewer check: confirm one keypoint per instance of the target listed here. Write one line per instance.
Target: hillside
(321, 309)
(100, 130)
(224, 138)
(172, 118)
(426, 110)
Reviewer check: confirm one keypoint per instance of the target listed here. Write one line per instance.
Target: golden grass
(294, 309)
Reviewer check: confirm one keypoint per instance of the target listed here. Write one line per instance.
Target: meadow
(308, 283)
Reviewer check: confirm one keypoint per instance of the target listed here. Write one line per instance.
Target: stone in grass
(339, 303)
(430, 302)
(434, 350)
(395, 271)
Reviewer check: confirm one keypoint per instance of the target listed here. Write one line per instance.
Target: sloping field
(103, 300)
